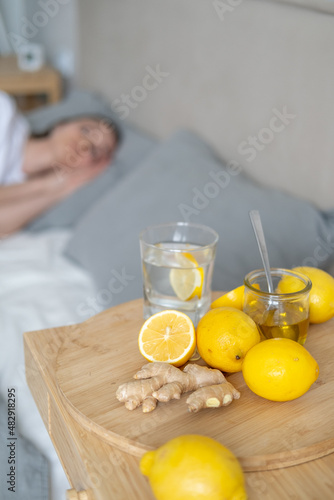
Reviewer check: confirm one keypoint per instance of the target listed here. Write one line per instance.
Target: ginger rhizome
(163, 382)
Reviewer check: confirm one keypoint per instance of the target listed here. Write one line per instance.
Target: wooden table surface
(14, 81)
(100, 442)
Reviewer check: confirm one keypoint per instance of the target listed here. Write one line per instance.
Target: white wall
(11, 11)
(319, 5)
(60, 35)
(226, 75)
(53, 23)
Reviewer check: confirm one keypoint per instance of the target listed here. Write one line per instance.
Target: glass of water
(177, 264)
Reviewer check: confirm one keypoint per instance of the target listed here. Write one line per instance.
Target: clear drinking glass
(278, 314)
(177, 263)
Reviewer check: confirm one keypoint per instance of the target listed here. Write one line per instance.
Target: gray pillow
(134, 147)
(182, 179)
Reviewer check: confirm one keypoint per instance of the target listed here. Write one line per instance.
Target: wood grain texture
(263, 434)
(14, 81)
(108, 471)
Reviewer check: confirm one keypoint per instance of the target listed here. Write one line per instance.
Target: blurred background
(53, 24)
(253, 78)
(229, 65)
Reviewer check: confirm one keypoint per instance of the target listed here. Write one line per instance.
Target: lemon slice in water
(187, 280)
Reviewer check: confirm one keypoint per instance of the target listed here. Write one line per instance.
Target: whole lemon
(279, 369)
(234, 298)
(224, 335)
(193, 467)
(321, 294)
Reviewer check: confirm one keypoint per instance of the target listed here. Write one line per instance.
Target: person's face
(83, 143)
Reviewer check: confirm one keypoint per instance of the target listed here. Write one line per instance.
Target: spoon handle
(259, 234)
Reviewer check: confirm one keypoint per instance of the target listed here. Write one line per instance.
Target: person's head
(84, 142)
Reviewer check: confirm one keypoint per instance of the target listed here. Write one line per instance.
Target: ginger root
(163, 382)
(212, 396)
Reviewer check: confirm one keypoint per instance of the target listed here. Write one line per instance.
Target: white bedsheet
(39, 288)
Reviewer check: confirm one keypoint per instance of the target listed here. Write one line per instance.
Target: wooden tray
(102, 353)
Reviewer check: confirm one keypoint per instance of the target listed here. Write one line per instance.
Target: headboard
(255, 78)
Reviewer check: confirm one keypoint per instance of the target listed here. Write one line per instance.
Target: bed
(57, 270)
(39, 288)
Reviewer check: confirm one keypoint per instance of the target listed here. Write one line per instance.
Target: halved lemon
(167, 336)
(187, 280)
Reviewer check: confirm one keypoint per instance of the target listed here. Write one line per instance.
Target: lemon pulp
(187, 280)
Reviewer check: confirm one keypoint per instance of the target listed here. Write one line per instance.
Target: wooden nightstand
(14, 81)
(286, 449)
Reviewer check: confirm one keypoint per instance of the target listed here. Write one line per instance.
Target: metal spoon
(259, 234)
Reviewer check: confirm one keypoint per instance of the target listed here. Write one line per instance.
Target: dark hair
(100, 118)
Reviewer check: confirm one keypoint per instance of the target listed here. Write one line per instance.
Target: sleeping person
(36, 172)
